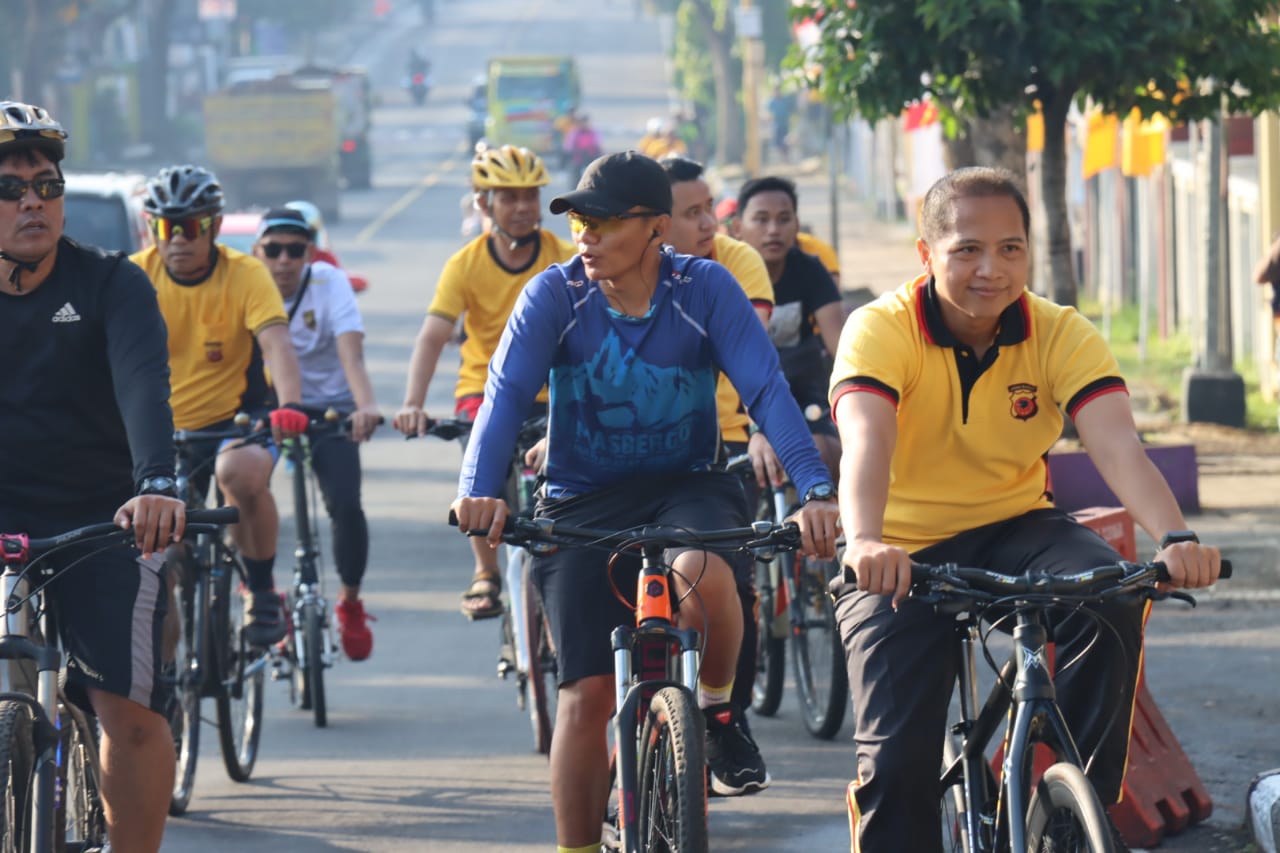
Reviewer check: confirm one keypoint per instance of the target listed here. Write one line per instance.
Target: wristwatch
(166, 486)
(1173, 537)
(819, 492)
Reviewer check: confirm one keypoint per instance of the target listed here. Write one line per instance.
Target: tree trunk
(153, 86)
(1053, 192)
(729, 141)
(991, 141)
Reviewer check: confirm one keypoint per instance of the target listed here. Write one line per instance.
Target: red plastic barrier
(1162, 793)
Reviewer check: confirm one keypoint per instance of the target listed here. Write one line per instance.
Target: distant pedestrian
(1268, 272)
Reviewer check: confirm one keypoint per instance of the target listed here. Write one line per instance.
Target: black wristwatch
(1173, 537)
(819, 492)
(166, 486)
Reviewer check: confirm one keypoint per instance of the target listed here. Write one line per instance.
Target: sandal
(483, 599)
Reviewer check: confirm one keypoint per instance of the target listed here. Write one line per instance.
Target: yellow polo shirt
(972, 437)
(820, 249)
(212, 326)
(746, 265)
(474, 286)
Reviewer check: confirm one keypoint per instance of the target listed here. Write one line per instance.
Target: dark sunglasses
(293, 250)
(189, 227)
(14, 188)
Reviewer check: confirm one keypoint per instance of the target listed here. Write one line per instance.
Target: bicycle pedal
(505, 668)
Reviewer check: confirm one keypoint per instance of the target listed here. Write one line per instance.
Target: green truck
(529, 97)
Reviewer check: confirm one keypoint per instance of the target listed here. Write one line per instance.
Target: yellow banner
(1100, 143)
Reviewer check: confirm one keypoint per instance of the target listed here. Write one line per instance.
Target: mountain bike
(525, 648)
(794, 604)
(1061, 811)
(658, 730)
(308, 649)
(50, 777)
(212, 660)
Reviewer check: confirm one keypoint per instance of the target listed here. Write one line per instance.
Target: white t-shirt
(327, 310)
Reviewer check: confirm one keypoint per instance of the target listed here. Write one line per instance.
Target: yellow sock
(708, 695)
(590, 848)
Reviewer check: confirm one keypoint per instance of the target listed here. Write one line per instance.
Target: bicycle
(308, 649)
(794, 603)
(980, 813)
(525, 648)
(211, 657)
(49, 771)
(658, 729)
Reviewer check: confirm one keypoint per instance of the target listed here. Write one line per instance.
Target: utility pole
(1212, 392)
(749, 23)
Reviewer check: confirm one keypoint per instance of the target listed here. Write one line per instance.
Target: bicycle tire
(816, 650)
(542, 682)
(953, 805)
(239, 697)
(79, 820)
(17, 775)
(672, 794)
(191, 668)
(313, 637)
(771, 648)
(1066, 814)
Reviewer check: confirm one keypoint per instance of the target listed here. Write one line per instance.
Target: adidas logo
(66, 314)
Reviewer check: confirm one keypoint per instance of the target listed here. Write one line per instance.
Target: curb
(1263, 807)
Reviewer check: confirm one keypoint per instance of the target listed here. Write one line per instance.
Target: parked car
(240, 230)
(104, 209)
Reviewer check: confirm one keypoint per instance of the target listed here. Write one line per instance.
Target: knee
(245, 474)
(126, 724)
(585, 704)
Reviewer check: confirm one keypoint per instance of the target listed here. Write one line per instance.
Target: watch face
(822, 492)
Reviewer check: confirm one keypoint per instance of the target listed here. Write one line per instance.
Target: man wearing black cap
(630, 336)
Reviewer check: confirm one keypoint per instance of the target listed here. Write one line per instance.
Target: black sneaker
(733, 759)
(264, 619)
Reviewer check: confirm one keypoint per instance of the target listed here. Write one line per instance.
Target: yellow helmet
(508, 167)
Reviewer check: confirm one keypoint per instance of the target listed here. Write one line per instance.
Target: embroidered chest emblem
(1022, 401)
(309, 320)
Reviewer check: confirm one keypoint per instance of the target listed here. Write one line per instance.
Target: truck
(529, 98)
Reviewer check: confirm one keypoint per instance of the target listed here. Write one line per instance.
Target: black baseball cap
(615, 183)
(285, 220)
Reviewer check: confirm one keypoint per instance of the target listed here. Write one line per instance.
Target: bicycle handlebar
(198, 521)
(761, 534)
(956, 581)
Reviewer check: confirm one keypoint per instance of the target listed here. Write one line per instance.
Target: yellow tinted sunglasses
(602, 226)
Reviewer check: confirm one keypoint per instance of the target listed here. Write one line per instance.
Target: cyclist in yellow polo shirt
(480, 283)
(820, 249)
(217, 303)
(948, 393)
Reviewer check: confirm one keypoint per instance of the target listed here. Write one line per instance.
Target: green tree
(976, 57)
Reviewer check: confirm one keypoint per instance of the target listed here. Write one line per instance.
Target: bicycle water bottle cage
(14, 547)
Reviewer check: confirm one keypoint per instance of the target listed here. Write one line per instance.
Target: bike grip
(221, 515)
(1226, 570)
(1163, 573)
(453, 518)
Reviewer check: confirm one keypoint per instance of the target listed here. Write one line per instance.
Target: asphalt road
(425, 749)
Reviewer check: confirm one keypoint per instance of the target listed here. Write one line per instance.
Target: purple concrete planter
(1077, 484)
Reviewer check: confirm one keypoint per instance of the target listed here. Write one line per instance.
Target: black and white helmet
(179, 191)
(27, 126)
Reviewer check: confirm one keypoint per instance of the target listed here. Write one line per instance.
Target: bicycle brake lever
(1183, 596)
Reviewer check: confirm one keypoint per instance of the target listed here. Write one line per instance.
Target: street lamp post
(748, 21)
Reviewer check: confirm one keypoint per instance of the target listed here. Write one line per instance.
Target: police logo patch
(1022, 401)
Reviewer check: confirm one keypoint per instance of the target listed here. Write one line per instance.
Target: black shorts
(581, 608)
(109, 611)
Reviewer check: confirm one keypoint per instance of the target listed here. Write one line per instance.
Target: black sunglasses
(13, 188)
(294, 250)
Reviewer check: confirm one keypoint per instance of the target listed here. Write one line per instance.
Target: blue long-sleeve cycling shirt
(631, 396)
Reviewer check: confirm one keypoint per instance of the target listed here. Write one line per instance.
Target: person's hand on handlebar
(156, 521)
(288, 421)
(536, 456)
(880, 569)
(411, 420)
(363, 422)
(768, 468)
(482, 514)
(819, 523)
(1191, 565)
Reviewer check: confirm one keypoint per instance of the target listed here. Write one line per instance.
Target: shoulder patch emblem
(1022, 397)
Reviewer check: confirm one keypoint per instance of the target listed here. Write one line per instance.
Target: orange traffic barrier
(1162, 794)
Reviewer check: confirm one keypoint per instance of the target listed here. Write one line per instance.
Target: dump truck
(276, 139)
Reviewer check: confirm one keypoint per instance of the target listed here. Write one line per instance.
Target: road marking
(401, 204)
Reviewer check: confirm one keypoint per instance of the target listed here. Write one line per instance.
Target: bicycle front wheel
(672, 796)
(771, 642)
(313, 637)
(240, 673)
(816, 650)
(79, 816)
(189, 670)
(17, 776)
(542, 680)
(1066, 815)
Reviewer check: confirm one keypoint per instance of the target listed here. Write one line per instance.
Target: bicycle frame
(647, 657)
(307, 583)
